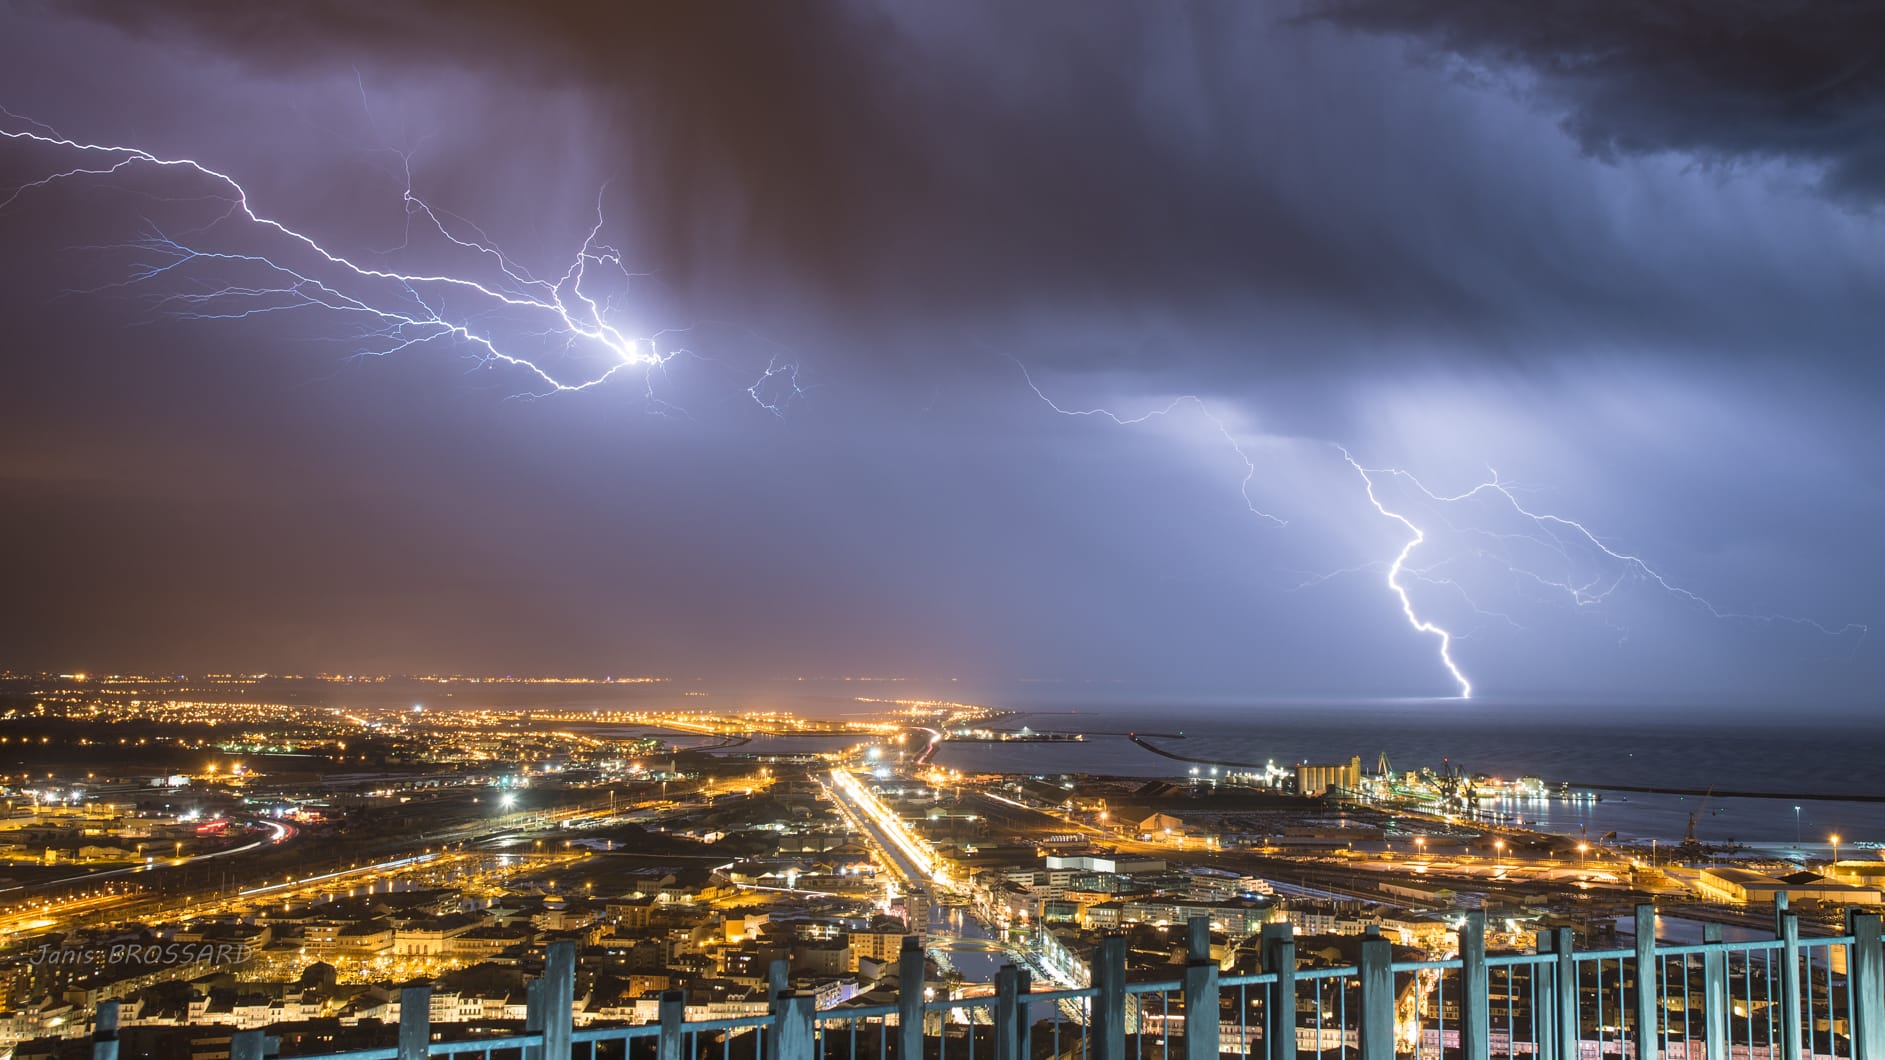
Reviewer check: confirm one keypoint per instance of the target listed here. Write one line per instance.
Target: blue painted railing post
(1566, 1020)
(1007, 1023)
(1202, 1019)
(1790, 1014)
(910, 966)
(415, 1022)
(796, 1026)
(1647, 1032)
(1024, 985)
(1109, 1008)
(1714, 994)
(778, 981)
(1279, 1012)
(1866, 970)
(105, 1031)
(1544, 1000)
(533, 1016)
(673, 1016)
(248, 1045)
(559, 999)
(1377, 999)
(1475, 990)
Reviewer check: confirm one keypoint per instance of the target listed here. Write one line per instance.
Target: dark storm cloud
(932, 157)
(1168, 175)
(1798, 82)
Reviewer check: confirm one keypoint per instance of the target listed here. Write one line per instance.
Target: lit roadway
(278, 833)
(89, 906)
(905, 853)
(52, 911)
(912, 860)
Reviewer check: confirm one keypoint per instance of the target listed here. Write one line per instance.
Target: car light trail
(888, 825)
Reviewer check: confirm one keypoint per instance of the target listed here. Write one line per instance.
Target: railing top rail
(1690, 949)
(1612, 954)
(384, 1053)
(1509, 960)
(845, 1013)
(632, 1030)
(1424, 966)
(1156, 986)
(728, 1023)
(1827, 940)
(1081, 993)
(948, 1004)
(478, 1045)
(1250, 979)
(461, 1045)
(1344, 972)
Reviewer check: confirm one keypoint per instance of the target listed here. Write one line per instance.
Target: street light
(1835, 865)
(1498, 846)
(1582, 851)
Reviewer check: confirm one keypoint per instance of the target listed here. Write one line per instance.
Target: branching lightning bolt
(1560, 533)
(1250, 466)
(777, 387)
(1565, 537)
(1553, 532)
(395, 310)
(1394, 580)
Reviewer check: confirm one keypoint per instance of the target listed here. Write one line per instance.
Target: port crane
(1688, 838)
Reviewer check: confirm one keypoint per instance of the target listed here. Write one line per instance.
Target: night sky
(1628, 255)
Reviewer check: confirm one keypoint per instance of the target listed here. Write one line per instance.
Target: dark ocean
(1788, 753)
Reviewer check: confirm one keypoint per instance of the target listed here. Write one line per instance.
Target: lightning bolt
(1561, 535)
(777, 387)
(1400, 590)
(1183, 400)
(1555, 533)
(494, 305)
(1566, 538)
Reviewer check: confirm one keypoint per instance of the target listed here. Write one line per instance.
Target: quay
(1140, 739)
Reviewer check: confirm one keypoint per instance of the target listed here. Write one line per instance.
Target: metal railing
(1785, 998)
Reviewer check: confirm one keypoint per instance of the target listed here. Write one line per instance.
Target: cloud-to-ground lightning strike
(1394, 581)
(397, 310)
(1559, 534)
(1553, 532)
